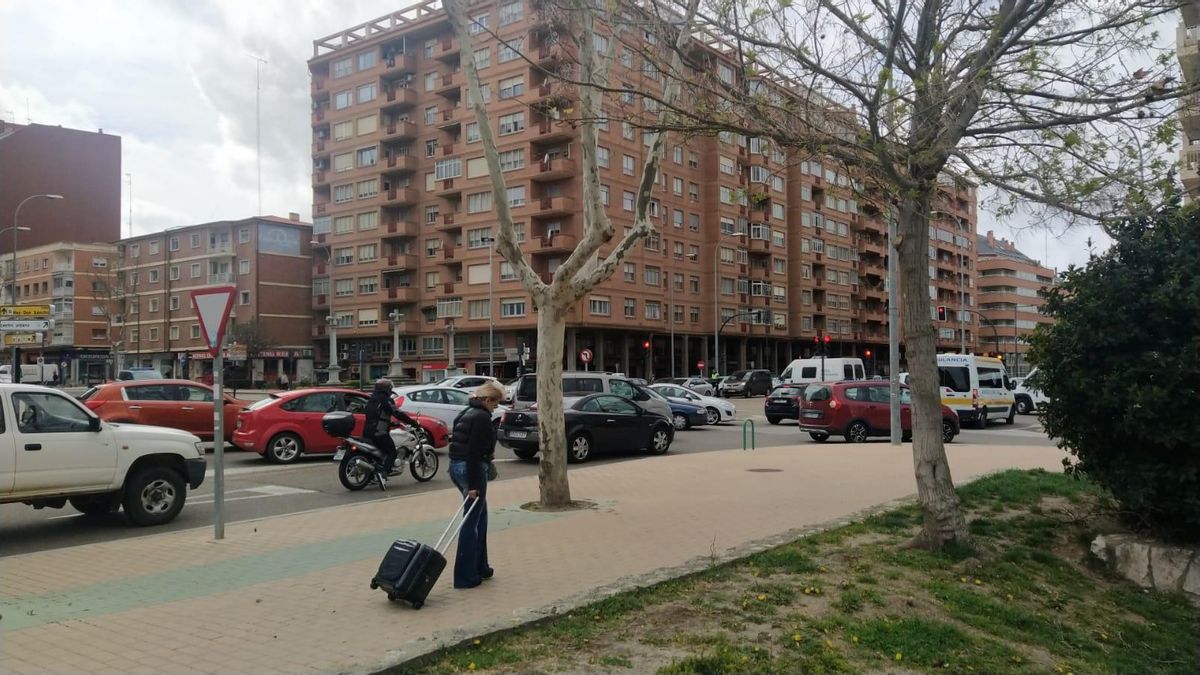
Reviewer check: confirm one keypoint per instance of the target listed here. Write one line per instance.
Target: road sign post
(585, 355)
(213, 306)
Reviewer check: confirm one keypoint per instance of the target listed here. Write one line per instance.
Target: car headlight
(199, 448)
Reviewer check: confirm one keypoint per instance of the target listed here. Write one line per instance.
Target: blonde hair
(490, 390)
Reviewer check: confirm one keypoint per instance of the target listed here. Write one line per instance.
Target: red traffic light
(826, 339)
(868, 353)
(941, 312)
(816, 339)
(646, 344)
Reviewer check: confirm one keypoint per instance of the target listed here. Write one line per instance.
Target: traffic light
(941, 312)
(868, 354)
(646, 344)
(827, 339)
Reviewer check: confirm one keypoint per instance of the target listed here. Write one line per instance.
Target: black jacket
(381, 407)
(473, 440)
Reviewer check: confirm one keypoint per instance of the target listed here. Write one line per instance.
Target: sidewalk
(290, 593)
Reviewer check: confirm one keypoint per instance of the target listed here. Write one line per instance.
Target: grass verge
(1022, 597)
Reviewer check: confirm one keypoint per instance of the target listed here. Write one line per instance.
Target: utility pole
(258, 63)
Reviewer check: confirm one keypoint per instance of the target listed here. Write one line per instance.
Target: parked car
(574, 382)
(178, 404)
(1028, 397)
(697, 384)
(783, 403)
(716, 410)
(467, 382)
(858, 410)
(140, 374)
(286, 425)
(684, 414)
(595, 423)
(444, 403)
(747, 383)
(96, 466)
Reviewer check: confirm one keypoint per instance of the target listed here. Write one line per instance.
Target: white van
(804, 371)
(31, 373)
(975, 387)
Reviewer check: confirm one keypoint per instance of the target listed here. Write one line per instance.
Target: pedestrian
(284, 382)
(381, 410)
(55, 380)
(472, 444)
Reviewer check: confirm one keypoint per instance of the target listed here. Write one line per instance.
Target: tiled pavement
(290, 593)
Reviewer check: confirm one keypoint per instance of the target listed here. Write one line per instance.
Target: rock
(1168, 566)
(1191, 580)
(1132, 561)
(1100, 548)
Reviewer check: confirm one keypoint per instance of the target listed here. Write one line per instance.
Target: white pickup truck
(1029, 398)
(53, 450)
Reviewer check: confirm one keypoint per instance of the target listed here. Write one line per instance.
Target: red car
(179, 404)
(287, 424)
(860, 409)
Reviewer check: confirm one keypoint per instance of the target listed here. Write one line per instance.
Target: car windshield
(739, 376)
(816, 392)
(788, 391)
(262, 403)
(89, 393)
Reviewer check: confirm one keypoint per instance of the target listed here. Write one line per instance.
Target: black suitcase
(410, 569)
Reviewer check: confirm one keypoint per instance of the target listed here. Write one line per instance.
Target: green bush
(1121, 366)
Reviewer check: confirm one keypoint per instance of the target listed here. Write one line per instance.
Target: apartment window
(779, 265)
(694, 284)
(599, 306)
(343, 99)
(243, 267)
(507, 272)
(428, 47)
(694, 192)
(343, 67)
(343, 162)
(510, 51)
(726, 286)
(368, 188)
(477, 24)
(627, 165)
(483, 58)
(244, 298)
(368, 252)
(134, 252)
(511, 124)
(479, 237)
(343, 224)
(174, 333)
(343, 130)
(173, 244)
(367, 92)
(195, 331)
(602, 157)
(510, 12)
(368, 285)
(173, 273)
(516, 195)
(432, 279)
(519, 228)
(473, 132)
(485, 89)
(630, 272)
(153, 251)
(677, 186)
(432, 246)
(512, 87)
(343, 193)
(367, 157)
(478, 309)
(512, 160)
(431, 114)
(627, 131)
(431, 147)
(154, 276)
(677, 218)
(173, 303)
(447, 168)
(653, 310)
(604, 194)
(479, 202)
(195, 270)
(627, 200)
(343, 287)
(431, 214)
(653, 276)
(343, 256)
(368, 221)
(433, 344)
(510, 307)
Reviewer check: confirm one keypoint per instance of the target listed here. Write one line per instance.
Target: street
(255, 489)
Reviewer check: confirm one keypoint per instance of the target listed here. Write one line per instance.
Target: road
(255, 489)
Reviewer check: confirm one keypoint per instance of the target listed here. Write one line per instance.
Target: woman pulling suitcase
(472, 444)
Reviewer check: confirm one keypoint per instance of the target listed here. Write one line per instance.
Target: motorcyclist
(381, 410)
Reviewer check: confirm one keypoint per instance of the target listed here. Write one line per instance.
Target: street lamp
(330, 319)
(717, 299)
(15, 229)
(491, 319)
(394, 367)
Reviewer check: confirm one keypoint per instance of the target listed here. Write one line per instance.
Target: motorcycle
(360, 461)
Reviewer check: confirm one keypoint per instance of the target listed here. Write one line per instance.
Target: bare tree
(1063, 107)
(593, 32)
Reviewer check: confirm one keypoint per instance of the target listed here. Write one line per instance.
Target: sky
(176, 80)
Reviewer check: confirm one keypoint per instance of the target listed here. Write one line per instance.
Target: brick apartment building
(403, 210)
(1187, 49)
(73, 278)
(266, 258)
(1009, 282)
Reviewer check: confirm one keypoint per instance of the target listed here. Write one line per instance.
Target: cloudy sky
(176, 80)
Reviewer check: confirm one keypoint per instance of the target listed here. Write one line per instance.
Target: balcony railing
(221, 278)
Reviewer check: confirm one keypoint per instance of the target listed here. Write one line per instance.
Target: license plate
(518, 434)
(779, 400)
(812, 413)
(337, 456)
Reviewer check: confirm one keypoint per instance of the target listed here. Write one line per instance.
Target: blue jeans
(471, 561)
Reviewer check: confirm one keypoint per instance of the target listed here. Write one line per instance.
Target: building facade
(82, 166)
(1187, 48)
(1009, 303)
(268, 260)
(774, 251)
(73, 279)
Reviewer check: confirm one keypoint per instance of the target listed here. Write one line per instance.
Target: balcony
(445, 254)
(398, 64)
(555, 169)
(1189, 168)
(400, 129)
(317, 86)
(446, 50)
(404, 294)
(1187, 49)
(449, 188)
(451, 118)
(64, 267)
(319, 178)
(547, 207)
(318, 114)
(401, 262)
(555, 242)
(550, 130)
(400, 196)
(449, 85)
(63, 292)
(399, 97)
(402, 228)
(399, 164)
(319, 145)
(448, 222)
(319, 209)
(221, 249)
(759, 246)
(220, 278)
(870, 246)
(448, 288)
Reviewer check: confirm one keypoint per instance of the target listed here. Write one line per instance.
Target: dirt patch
(574, 505)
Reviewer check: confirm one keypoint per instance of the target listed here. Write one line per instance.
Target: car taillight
(833, 404)
(503, 418)
(400, 400)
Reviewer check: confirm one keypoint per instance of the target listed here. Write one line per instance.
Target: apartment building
(1187, 48)
(1009, 304)
(268, 260)
(84, 167)
(74, 279)
(774, 251)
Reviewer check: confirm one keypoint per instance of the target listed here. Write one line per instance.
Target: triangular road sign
(213, 306)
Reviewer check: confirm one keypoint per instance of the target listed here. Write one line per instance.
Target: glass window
(617, 405)
(42, 413)
(621, 388)
(990, 378)
(957, 378)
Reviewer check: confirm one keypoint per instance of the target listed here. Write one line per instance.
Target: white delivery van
(31, 373)
(804, 371)
(977, 388)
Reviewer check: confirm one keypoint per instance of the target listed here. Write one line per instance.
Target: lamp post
(16, 376)
(490, 241)
(394, 367)
(717, 299)
(331, 319)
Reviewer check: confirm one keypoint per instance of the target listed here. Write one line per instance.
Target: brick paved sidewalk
(290, 593)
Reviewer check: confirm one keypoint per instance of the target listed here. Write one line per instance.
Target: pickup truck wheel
(97, 505)
(154, 496)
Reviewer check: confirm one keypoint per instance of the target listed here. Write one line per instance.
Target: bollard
(750, 423)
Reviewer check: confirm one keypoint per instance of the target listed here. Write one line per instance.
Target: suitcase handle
(451, 524)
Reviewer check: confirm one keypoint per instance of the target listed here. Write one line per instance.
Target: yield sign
(213, 306)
